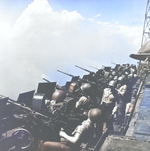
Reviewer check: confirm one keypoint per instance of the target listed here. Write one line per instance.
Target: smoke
(42, 41)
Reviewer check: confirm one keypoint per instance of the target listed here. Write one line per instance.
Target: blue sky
(40, 36)
(126, 12)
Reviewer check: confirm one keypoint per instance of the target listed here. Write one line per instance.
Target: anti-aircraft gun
(56, 86)
(79, 81)
(72, 85)
(92, 77)
(116, 64)
(70, 90)
(99, 73)
(50, 97)
(32, 112)
(103, 74)
(27, 126)
(82, 83)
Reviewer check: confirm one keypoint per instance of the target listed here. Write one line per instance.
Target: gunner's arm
(73, 139)
(123, 90)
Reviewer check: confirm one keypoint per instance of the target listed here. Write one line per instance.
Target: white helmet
(112, 83)
(121, 78)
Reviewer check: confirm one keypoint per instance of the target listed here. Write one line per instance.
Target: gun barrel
(57, 86)
(26, 108)
(66, 73)
(114, 63)
(46, 80)
(103, 66)
(83, 69)
(94, 67)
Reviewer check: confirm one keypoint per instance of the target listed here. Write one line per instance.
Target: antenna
(146, 28)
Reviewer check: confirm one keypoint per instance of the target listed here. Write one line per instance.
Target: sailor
(133, 69)
(108, 102)
(57, 97)
(83, 133)
(121, 89)
(130, 82)
(87, 100)
(112, 75)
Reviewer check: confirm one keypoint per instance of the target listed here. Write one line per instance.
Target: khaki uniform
(107, 105)
(122, 104)
(86, 131)
(108, 97)
(123, 89)
(82, 101)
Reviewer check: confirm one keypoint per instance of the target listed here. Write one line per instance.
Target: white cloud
(97, 15)
(42, 41)
(103, 23)
(90, 19)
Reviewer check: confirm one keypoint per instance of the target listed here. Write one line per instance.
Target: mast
(146, 28)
